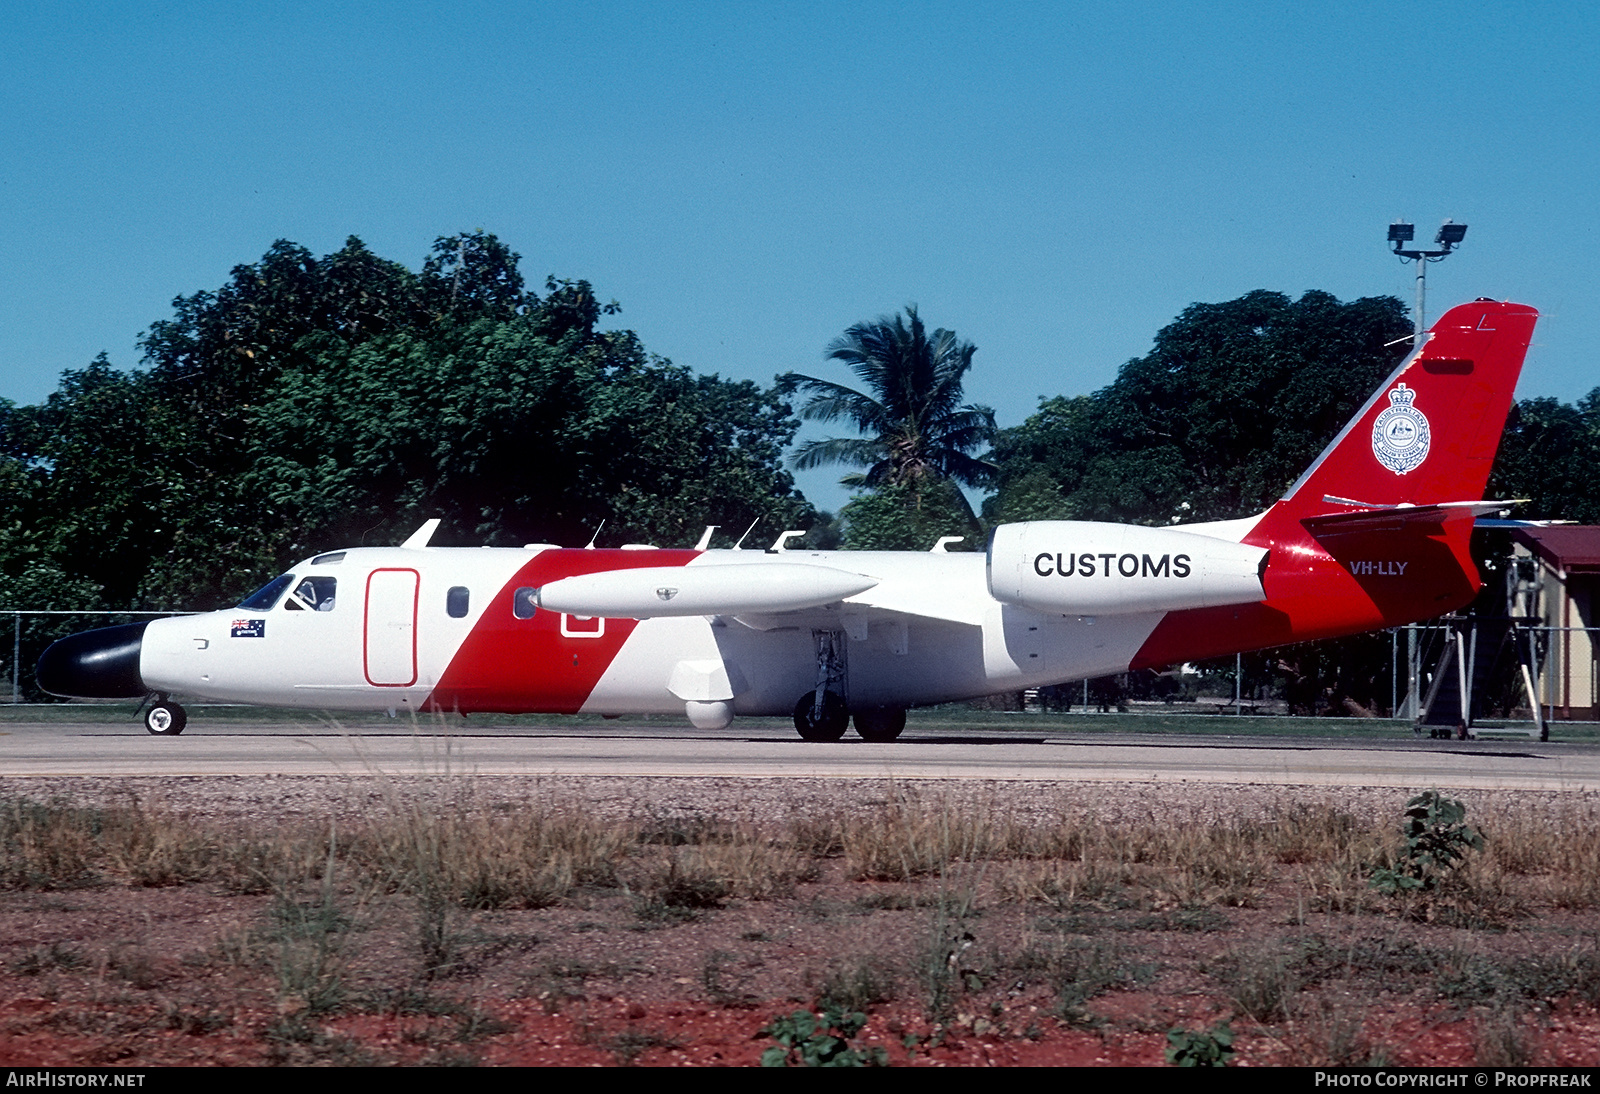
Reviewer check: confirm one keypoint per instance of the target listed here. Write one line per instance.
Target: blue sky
(1055, 182)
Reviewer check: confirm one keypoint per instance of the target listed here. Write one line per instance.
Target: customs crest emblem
(1400, 436)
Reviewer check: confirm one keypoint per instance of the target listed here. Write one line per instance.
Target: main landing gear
(828, 721)
(165, 718)
(821, 718)
(822, 714)
(880, 725)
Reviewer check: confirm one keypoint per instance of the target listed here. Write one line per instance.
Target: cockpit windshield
(265, 597)
(313, 594)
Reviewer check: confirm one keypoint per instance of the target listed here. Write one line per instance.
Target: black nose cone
(102, 664)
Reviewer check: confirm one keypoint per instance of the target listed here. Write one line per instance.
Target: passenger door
(390, 628)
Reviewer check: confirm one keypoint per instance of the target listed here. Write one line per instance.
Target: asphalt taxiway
(321, 747)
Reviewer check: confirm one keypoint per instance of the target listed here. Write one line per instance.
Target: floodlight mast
(1449, 236)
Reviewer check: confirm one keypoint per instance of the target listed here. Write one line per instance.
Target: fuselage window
(265, 597)
(523, 605)
(455, 602)
(314, 594)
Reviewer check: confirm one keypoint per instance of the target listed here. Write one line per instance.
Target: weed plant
(1200, 1048)
(444, 853)
(48, 845)
(944, 964)
(1263, 982)
(820, 1040)
(445, 846)
(1435, 840)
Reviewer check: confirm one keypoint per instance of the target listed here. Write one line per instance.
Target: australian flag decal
(249, 628)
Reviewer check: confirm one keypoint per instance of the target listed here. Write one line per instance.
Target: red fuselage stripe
(510, 665)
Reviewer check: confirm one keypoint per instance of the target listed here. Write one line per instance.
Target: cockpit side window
(265, 597)
(313, 594)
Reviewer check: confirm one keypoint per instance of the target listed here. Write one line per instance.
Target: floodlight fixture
(1450, 234)
(1402, 232)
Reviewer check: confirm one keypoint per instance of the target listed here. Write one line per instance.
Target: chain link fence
(32, 631)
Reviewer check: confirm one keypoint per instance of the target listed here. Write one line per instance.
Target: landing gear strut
(822, 714)
(164, 718)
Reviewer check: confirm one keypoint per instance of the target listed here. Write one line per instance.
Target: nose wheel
(165, 719)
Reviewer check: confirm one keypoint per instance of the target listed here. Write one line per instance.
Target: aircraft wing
(937, 594)
(853, 613)
(905, 600)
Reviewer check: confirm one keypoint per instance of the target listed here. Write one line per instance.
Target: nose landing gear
(165, 718)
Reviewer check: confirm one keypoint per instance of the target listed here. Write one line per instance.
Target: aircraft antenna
(419, 539)
(747, 531)
(594, 537)
(705, 537)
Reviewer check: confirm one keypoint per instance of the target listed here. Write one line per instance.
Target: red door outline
(367, 628)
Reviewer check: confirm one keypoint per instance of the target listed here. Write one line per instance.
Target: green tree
(1548, 455)
(512, 439)
(96, 475)
(915, 429)
(1233, 402)
(475, 275)
(31, 534)
(907, 517)
(317, 402)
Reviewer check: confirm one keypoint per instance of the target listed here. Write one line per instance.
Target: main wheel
(165, 719)
(830, 725)
(880, 724)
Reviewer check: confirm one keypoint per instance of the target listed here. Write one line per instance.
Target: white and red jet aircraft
(1373, 535)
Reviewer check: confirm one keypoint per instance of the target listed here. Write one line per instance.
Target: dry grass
(442, 843)
(412, 893)
(450, 846)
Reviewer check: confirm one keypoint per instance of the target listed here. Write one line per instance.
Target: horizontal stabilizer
(1484, 523)
(1395, 518)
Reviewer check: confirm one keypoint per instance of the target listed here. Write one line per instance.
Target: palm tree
(916, 431)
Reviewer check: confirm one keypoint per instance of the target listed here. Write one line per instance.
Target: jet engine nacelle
(1086, 568)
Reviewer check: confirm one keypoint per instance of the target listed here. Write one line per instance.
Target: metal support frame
(832, 668)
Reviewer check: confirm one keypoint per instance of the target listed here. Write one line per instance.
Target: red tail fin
(1339, 562)
(1429, 434)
